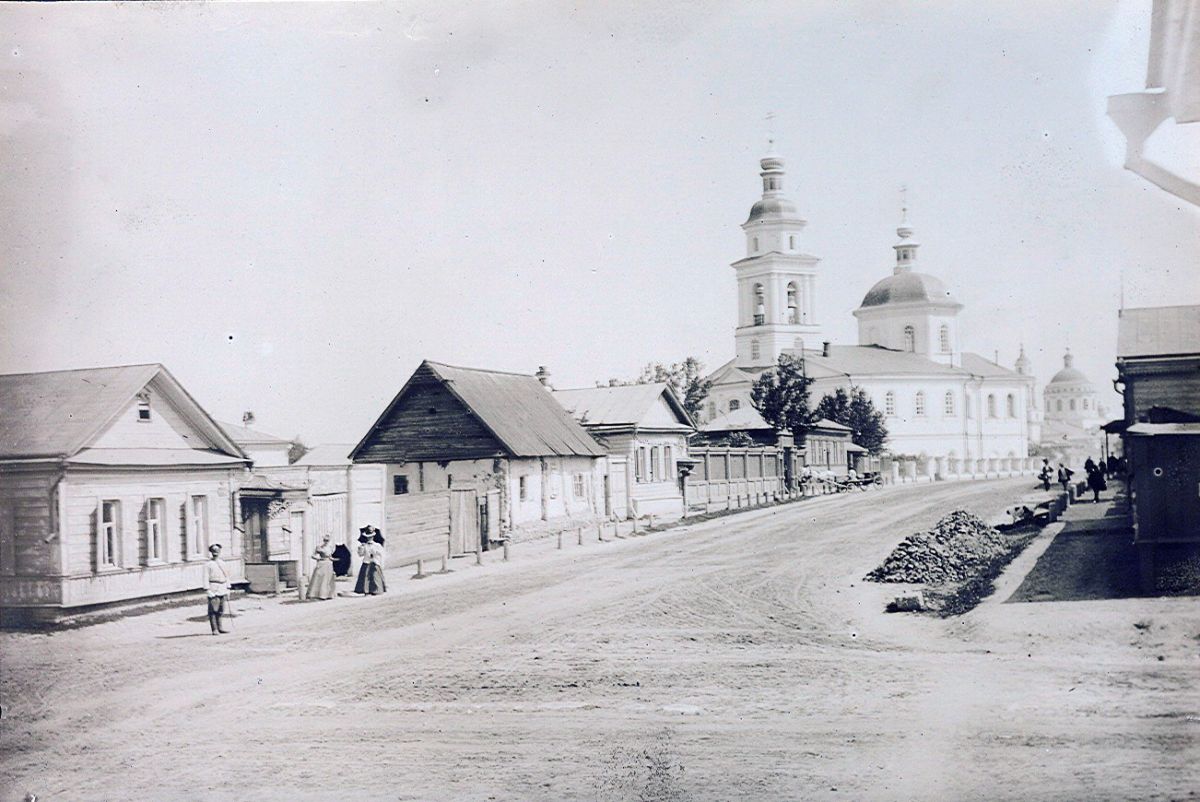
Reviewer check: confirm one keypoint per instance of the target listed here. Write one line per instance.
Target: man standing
(218, 588)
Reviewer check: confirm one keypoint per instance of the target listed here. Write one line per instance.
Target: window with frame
(944, 338)
(793, 303)
(197, 527)
(577, 485)
(522, 489)
(889, 403)
(792, 242)
(1059, 402)
(755, 350)
(156, 525)
(399, 485)
(655, 465)
(991, 404)
(1085, 404)
(760, 304)
(108, 535)
(910, 338)
(734, 404)
(143, 407)
(668, 463)
(949, 406)
(919, 403)
(1072, 403)
(1011, 405)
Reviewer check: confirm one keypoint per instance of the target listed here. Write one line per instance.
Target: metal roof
(625, 405)
(1158, 331)
(1164, 428)
(861, 360)
(908, 287)
(57, 413)
(154, 456)
(245, 436)
(519, 411)
(327, 454)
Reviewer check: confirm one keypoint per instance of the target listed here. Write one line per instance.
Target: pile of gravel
(959, 547)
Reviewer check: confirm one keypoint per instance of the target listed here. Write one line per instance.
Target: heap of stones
(958, 547)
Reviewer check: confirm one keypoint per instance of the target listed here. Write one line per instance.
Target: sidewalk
(1092, 557)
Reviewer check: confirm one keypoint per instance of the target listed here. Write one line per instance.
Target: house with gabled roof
(113, 483)
(648, 425)
(474, 456)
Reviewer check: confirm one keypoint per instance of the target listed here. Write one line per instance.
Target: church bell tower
(776, 281)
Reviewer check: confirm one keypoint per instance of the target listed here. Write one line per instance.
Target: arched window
(734, 404)
(756, 244)
(760, 306)
(1072, 403)
(1085, 406)
(791, 242)
(910, 338)
(793, 303)
(919, 403)
(991, 405)
(1012, 406)
(949, 408)
(755, 351)
(889, 403)
(1059, 403)
(944, 338)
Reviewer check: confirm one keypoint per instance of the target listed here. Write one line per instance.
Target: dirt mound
(959, 547)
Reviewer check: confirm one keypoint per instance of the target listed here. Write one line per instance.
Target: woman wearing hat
(370, 574)
(320, 586)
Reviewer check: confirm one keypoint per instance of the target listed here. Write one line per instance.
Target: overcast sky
(291, 205)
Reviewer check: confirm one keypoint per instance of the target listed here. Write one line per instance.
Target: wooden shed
(113, 483)
(474, 456)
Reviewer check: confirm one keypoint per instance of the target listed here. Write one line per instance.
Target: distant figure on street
(320, 585)
(1046, 474)
(341, 560)
(1089, 466)
(1096, 483)
(1064, 476)
(370, 574)
(217, 575)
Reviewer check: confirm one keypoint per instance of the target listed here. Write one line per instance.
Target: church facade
(955, 410)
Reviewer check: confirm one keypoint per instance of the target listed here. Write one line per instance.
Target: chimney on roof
(247, 418)
(543, 376)
(825, 348)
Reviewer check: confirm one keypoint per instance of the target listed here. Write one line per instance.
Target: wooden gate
(418, 527)
(464, 522)
(330, 514)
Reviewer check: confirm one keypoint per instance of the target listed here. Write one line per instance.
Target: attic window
(143, 407)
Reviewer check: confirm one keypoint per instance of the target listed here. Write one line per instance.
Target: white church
(955, 411)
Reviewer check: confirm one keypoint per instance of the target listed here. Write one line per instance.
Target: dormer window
(143, 408)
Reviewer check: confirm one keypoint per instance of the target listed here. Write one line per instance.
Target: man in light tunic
(217, 575)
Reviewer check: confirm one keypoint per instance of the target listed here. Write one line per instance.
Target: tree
(781, 396)
(856, 410)
(297, 450)
(686, 379)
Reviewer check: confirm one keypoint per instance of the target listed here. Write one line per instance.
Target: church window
(944, 336)
(1085, 403)
(910, 338)
(1059, 403)
(889, 403)
(760, 307)
(734, 404)
(792, 242)
(793, 306)
(1012, 406)
(949, 408)
(756, 244)
(1072, 403)
(991, 405)
(755, 351)
(919, 403)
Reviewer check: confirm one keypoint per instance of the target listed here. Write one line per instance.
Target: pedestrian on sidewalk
(320, 585)
(1045, 474)
(1064, 476)
(1096, 483)
(370, 574)
(217, 574)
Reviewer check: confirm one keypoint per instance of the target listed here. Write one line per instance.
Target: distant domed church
(959, 412)
(1074, 414)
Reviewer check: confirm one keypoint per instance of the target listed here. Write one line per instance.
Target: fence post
(420, 569)
(445, 567)
(560, 540)
(651, 521)
(599, 533)
(616, 529)
(506, 550)
(479, 555)
(579, 536)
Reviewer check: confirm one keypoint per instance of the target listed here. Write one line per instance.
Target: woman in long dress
(320, 586)
(377, 556)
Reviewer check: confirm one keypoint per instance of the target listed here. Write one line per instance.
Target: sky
(291, 205)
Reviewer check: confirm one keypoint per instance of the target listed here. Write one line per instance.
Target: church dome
(1069, 374)
(772, 207)
(907, 287)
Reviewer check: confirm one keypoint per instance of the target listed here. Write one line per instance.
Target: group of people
(331, 561)
(1096, 474)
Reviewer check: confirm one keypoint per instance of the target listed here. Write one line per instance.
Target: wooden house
(474, 456)
(113, 483)
(1158, 364)
(648, 425)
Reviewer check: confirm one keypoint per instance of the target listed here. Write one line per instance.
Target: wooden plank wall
(428, 424)
(26, 523)
(418, 527)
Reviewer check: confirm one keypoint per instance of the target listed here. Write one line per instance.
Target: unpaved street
(740, 658)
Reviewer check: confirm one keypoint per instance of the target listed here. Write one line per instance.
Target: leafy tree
(781, 396)
(297, 450)
(856, 410)
(686, 379)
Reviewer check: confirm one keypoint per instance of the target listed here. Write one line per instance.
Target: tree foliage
(781, 396)
(297, 449)
(856, 410)
(686, 379)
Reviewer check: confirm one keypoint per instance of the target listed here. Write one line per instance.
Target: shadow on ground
(1092, 558)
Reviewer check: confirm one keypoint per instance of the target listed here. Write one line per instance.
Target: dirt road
(741, 658)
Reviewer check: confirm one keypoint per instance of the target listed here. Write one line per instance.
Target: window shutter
(131, 531)
(175, 528)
